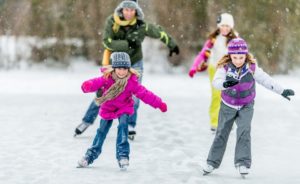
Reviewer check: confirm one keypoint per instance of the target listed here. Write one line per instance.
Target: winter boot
(207, 169)
(123, 164)
(131, 133)
(81, 128)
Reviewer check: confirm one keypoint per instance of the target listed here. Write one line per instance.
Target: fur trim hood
(130, 4)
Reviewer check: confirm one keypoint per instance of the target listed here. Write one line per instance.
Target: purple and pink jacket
(122, 104)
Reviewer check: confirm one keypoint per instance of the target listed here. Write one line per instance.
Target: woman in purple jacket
(119, 84)
(236, 75)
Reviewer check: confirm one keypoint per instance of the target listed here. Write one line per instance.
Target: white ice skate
(82, 163)
(207, 169)
(123, 164)
(243, 170)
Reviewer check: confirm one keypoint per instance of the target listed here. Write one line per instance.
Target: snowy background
(41, 102)
(40, 107)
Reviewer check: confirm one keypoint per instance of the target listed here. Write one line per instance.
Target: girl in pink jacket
(119, 83)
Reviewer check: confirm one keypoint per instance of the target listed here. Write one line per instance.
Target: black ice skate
(81, 128)
(131, 134)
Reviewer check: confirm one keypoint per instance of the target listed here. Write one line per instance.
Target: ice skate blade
(205, 173)
(80, 166)
(131, 137)
(124, 168)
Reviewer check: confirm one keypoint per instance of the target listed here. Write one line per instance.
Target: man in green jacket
(125, 31)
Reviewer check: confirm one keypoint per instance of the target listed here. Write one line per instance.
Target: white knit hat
(225, 19)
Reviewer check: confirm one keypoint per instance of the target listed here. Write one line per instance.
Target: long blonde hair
(226, 59)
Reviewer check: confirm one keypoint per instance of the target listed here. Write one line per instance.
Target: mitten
(202, 67)
(99, 93)
(86, 86)
(230, 81)
(192, 72)
(163, 107)
(174, 50)
(288, 92)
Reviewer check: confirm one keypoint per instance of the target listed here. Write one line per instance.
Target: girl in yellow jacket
(213, 50)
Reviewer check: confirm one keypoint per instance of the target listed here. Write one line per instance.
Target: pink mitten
(192, 72)
(163, 107)
(86, 86)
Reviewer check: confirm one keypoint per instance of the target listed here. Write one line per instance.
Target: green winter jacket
(119, 41)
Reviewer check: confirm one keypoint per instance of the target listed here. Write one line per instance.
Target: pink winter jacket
(122, 104)
(201, 57)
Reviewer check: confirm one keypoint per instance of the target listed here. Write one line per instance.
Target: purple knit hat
(237, 46)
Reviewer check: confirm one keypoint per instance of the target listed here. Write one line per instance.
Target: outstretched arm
(147, 96)
(200, 58)
(157, 32)
(266, 80)
(92, 85)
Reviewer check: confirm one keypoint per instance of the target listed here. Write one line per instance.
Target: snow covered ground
(39, 109)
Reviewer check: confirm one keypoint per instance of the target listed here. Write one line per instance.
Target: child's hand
(230, 82)
(288, 92)
(163, 107)
(86, 86)
(192, 73)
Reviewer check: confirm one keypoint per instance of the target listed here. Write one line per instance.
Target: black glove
(288, 92)
(230, 81)
(174, 50)
(99, 93)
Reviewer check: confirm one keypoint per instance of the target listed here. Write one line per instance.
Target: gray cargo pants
(227, 116)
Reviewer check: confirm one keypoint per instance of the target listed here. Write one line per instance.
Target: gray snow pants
(227, 116)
